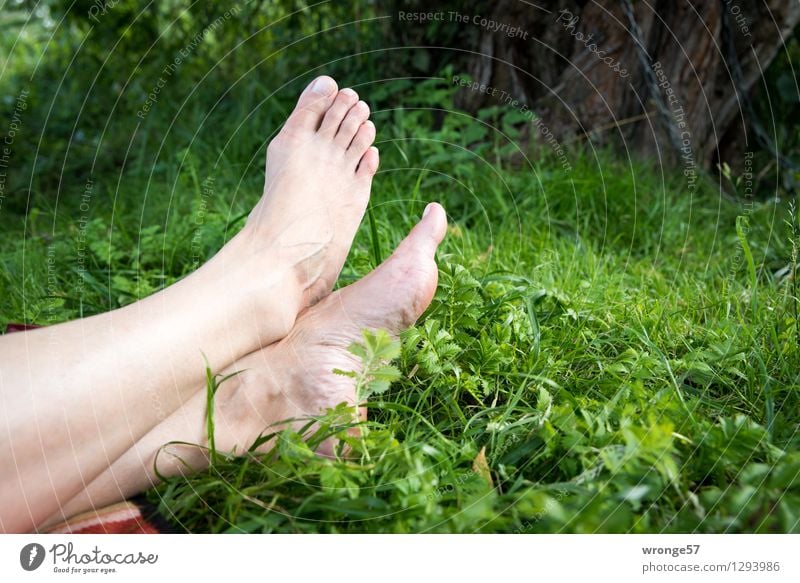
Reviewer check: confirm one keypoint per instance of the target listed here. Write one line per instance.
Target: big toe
(312, 105)
(426, 235)
(397, 293)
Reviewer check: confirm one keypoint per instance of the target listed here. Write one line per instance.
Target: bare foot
(287, 257)
(290, 379)
(319, 172)
(294, 378)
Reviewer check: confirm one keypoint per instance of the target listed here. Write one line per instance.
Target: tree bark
(569, 70)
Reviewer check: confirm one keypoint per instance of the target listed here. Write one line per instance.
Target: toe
(363, 139)
(400, 289)
(346, 99)
(357, 115)
(428, 233)
(412, 266)
(368, 165)
(312, 105)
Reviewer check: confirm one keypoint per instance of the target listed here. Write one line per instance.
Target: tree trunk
(677, 94)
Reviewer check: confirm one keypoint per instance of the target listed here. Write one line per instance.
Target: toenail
(323, 85)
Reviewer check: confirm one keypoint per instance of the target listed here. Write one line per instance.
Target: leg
(290, 379)
(77, 395)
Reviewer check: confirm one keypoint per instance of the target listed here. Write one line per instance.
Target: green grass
(626, 357)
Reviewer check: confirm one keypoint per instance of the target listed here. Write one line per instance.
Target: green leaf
(376, 376)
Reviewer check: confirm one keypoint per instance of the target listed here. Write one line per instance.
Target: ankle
(303, 267)
(250, 290)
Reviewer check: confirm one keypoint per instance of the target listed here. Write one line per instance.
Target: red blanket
(126, 517)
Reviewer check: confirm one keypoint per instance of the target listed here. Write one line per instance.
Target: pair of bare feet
(285, 262)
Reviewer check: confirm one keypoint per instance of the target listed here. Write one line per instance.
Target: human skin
(76, 396)
(291, 379)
